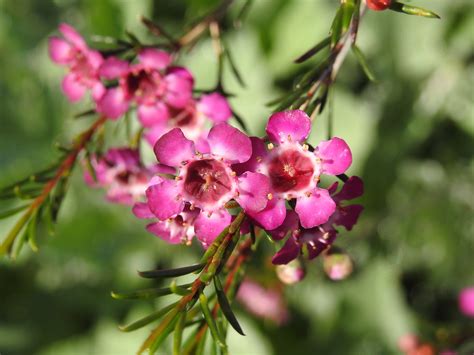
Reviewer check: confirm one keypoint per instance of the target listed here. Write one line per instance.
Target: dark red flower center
(183, 117)
(290, 170)
(142, 84)
(207, 180)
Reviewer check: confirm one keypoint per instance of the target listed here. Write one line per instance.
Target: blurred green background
(412, 136)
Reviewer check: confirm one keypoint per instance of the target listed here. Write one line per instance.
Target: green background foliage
(412, 138)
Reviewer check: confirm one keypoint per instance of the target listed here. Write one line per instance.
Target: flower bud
(466, 301)
(337, 266)
(378, 5)
(291, 273)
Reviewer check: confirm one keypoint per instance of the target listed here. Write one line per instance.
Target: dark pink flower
(83, 64)
(122, 174)
(265, 303)
(206, 181)
(151, 84)
(294, 171)
(466, 301)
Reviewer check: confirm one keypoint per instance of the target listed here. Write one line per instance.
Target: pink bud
(291, 273)
(466, 301)
(378, 5)
(337, 266)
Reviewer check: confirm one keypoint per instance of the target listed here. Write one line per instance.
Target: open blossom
(206, 181)
(152, 84)
(266, 303)
(122, 174)
(192, 119)
(321, 237)
(83, 64)
(294, 171)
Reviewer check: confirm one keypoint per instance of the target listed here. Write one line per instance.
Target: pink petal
(142, 211)
(229, 143)
(113, 68)
(162, 230)
(208, 228)
(347, 216)
(98, 90)
(113, 103)
(295, 125)
(154, 133)
(253, 191)
(154, 58)
(353, 188)
(179, 90)
(290, 224)
(72, 36)
(271, 216)
(335, 155)
(466, 301)
(150, 115)
(59, 50)
(72, 88)
(215, 107)
(163, 199)
(202, 146)
(182, 72)
(315, 209)
(259, 152)
(288, 252)
(173, 148)
(95, 58)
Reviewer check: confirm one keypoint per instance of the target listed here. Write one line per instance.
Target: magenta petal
(154, 58)
(253, 191)
(72, 36)
(335, 155)
(179, 90)
(353, 188)
(229, 143)
(98, 90)
(208, 228)
(72, 88)
(173, 148)
(315, 209)
(59, 50)
(163, 199)
(150, 115)
(288, 252)
(142, 211)
(259, 152)
(215, 107)
(113, 103)
(294, 125)
(271, 216)
(290, 224)
(347, 216)
(163, 231)
(113, 68)
(154, 133)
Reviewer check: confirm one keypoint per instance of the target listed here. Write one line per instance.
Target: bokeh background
(412, 136)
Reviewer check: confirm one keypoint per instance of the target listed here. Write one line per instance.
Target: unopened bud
(378, 5)
(337, 266)
(291, 273)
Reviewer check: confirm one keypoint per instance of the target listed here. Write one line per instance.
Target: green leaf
(233, 66)
(11, 236)
(363, 63)
(178, 333)
(226, 308)
(155, 274)
(336, 27)
(85, 113)
(210, 321)
(413, 10)
(147, 293)
(148, 319)
(314, 50)
(31, 229)
(13, 211)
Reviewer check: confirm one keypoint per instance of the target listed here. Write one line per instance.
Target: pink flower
(121, 173)
(192, 119)
(206, 181)
(319, 238)
(83, 64)
(263, 303)
(466, 301)
(294, 171)
(151, 83)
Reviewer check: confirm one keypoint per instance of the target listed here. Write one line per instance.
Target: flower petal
(173, 148)
(207, 227)
(72, 88)
(72, 36)
(290, 224)
(150, 115)
(98, 91)
(353, 188)
(288, 252)
(229, 143)
(154, 133)
(215, 107)
(179, 89)
(163, 199)
(259, 152)
(113, 103)
(271, 216)
(294, 125)
(163, 231)
(113, 68)
(347, 216)
(335, 155)
(142, 211)
(315, 209)
(154, 58)
(59, 50)
(253, 191)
